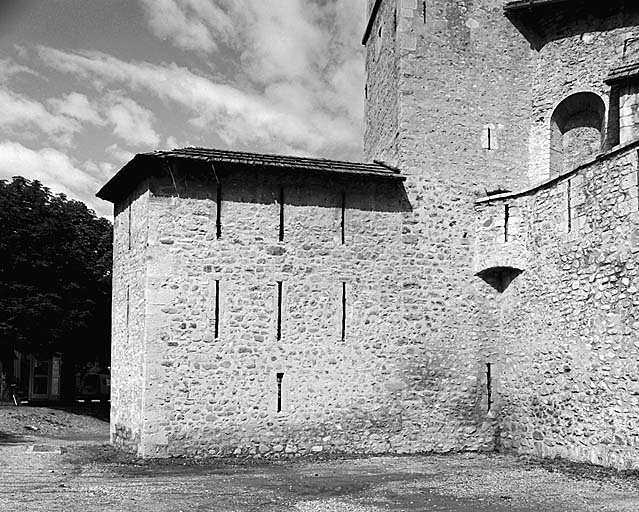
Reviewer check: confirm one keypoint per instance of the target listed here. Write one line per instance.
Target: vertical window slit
(569, 204)
(637, 179)
(343, 222)
(281, 214)
(280, 376)
(489, 136)
(218, 218)
(129, 226)
(128, 299)
(424, 10)
(217, 308)
(279, 310)
(506, 219)
(343, 311)
(489, 385)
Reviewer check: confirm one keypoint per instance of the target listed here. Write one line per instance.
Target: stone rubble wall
(577, 59)
(130, 230)
(567, 380)
(462, 69)
(214, 397)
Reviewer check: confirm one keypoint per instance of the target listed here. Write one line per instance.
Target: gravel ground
(65, 465)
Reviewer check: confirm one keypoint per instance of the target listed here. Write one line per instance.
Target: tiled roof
(134, 172)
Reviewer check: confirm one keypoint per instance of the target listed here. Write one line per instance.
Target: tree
(55, 275)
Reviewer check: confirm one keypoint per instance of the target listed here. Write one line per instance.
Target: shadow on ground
(9, 439)
(100, 411)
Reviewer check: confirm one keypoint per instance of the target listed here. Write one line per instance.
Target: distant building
(483, 297)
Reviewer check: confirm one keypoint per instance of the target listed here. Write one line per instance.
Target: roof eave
(127, 177)
(371, 21)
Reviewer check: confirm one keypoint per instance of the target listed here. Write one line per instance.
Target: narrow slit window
(343, 337)
(488, 139)
(489, 385)
(218, 217)
(637, 179)
(130, 215)
(280, 377)
(424, 10)
(279, 310)
(281, 214)
(569, 204)
(217, 308)
(343, 221)
(128, 306)
(506, 219)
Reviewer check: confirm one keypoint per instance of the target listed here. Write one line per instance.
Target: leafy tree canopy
(55, 274)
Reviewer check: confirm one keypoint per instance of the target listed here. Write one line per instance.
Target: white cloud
(121, 156)
(77, 106)
(57, 171)
(183, 22)
(239, 117)
(9, 68)
(131, 122)
(20, 113)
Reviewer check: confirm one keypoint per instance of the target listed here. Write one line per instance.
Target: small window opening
(424, 10)
(638, 179)
(280, 377)
(130, 214)
(128, 302)
(279, 310)
(218, 218)
(506, 219)
(217, 308)
(343, 221)
(489, 137)
(281, 200)
(343, 311)
(569, 205)
(489, 385)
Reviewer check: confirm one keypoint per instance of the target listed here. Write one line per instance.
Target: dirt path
(71, 469)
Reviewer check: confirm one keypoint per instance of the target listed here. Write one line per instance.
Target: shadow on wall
(499, 278)
(237, 183)
(555, 21)
(577, 130)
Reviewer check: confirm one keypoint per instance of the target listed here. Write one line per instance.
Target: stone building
(474, 287)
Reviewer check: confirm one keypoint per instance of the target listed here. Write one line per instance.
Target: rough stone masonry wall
(208, 396)
(381, 100)
(128, 328)
(567, 379)
(577, 59)
(463, 69)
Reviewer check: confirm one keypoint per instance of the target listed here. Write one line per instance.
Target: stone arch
(576, 131)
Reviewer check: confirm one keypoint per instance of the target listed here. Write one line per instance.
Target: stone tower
(448, 102)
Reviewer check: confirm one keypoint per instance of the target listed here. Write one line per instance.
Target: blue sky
(86, 84)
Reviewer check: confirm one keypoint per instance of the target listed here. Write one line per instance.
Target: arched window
(576, 131)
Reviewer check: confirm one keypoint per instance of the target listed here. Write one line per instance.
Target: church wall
(567, 381)
(128, 325)
(463, 113)
(208, 396)
(381, 94)
(578, 58)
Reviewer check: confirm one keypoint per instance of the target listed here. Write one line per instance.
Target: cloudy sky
(86, 84)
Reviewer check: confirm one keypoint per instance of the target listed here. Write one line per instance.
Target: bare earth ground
(65, 465)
